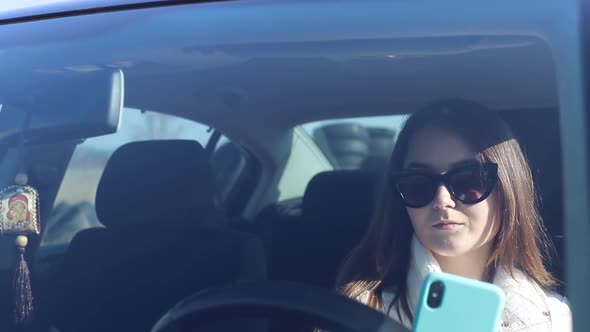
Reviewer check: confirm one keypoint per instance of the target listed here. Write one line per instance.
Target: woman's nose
(443, 198)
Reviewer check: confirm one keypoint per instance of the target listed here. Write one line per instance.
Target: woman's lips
(448, 225)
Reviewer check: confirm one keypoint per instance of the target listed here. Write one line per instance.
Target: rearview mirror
(46, 108)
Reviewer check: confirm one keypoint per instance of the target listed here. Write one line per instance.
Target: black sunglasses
(469, 184)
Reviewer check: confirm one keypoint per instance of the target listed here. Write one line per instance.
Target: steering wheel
(326, 308)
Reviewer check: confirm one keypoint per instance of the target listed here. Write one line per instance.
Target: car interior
(249, 195)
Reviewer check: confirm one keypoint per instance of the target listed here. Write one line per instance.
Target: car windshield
(356, 143)
(216, 160)
(73, 209)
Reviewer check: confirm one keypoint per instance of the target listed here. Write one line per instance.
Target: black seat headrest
(162, 182)
(336, 196)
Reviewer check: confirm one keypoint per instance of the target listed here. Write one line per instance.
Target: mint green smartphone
(452, 303)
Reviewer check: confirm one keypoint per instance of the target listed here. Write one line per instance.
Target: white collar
(422, 263)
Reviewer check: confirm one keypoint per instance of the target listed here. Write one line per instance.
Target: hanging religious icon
(19, 216)
(19, 213)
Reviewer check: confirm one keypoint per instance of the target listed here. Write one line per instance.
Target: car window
(356, 143)
(73, 209)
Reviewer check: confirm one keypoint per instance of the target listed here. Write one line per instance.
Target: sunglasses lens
(416, 190)
(470, 185)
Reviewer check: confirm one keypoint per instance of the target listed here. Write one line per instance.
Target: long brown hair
(382, 258)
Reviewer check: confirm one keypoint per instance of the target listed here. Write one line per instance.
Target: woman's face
(446, 226)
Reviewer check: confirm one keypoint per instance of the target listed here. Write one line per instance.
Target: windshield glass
(356, 143)
(303, 103)
(73, 209)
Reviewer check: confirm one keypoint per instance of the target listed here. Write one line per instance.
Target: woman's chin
(447, 248)
(447, 253)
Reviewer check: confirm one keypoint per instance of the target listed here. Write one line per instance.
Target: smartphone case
(467, 305)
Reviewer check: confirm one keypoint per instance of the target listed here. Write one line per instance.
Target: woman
(458, 197)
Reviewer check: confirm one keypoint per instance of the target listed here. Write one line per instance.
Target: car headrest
(374, 163)
(343, 196)
(162, 182)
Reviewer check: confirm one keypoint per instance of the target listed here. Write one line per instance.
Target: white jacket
(527, 308)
